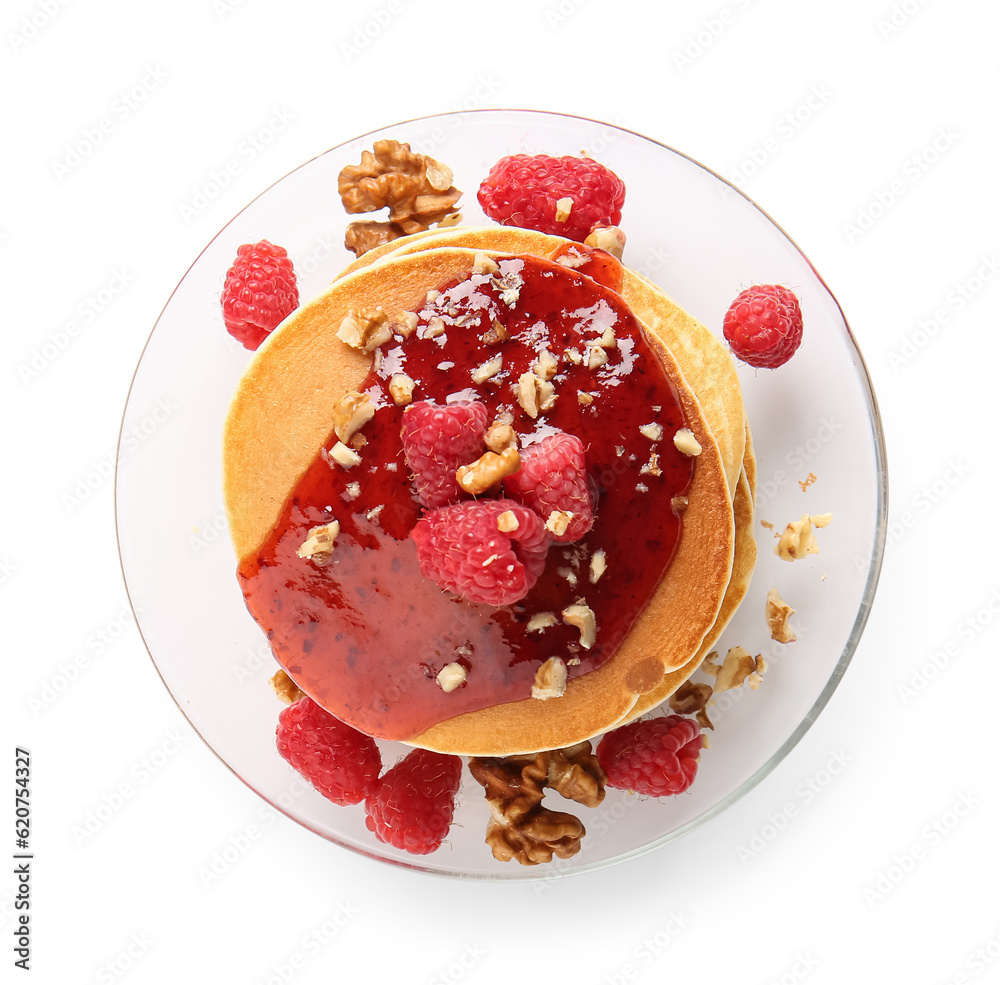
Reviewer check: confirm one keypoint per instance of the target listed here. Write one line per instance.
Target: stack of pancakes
(281, 415)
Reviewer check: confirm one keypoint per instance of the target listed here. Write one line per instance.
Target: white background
(889, 872)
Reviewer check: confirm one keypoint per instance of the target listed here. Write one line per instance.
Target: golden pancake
(281, 416)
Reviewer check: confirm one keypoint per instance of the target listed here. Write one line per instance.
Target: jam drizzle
(366, 634)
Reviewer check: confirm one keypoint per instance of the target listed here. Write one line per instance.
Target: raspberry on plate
(260, 292)
(437, 439)
(553, 479)
(763, 326)
(342, 763)
(656, 757)
(415, 801)
(489, 551)
(562, 196)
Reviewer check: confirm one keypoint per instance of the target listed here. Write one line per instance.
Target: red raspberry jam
(366, 634)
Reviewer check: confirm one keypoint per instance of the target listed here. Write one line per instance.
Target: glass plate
(690, 232)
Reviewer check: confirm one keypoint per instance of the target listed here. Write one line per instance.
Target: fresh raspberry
(522, 190)
(553, 476)
(342, 763)
(655, 757)
(437, 439)
(260, 292)
(463, 549)
(763, 326)
(414, 803)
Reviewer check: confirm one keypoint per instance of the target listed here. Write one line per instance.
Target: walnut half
(417, 190)
(520, 827)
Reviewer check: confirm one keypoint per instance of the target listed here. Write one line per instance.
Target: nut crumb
(558, 522)
(366, 329)
(797, 540)
(679, 503)
(535, 395)
(609, 238)
(691, 699)
(686, 443)
(582, 616)
(509, 286)
(767, 525)
(496, 333)
(584, 398)
(351, 413)
(344, 456)
(564, 206)
(739, 666)
(318, 545)
(483, 263)
(487, 370)
(352, 490)
(598, 565)
(488, 470)
(652, 467)
(450, 677)
(546, 365)
(401, 389)
(597, 356)
(778, 612)
(507, 522)
(285, 688)
(500, 436)
(805, 483)
(434, 328)
(541, 621)
(550, 680)
(652, 431)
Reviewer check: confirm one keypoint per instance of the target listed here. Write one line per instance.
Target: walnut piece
(738, 667)
(598, 565)
(318, 545)
(366, 329)
(365, 234)
(487, 370)
(582, 616)
(797, 541)
(609, 238)
(507, 522)
(558, 522)
(535, 394)
(351, 413)
(401, 389)
(686, 443)
(450, 677)
(541, 621)
(691, 699)
(550, 680)
(520, 827)
(778, 612)
(488, 470)
(285, 688)
(500, 436)
(417, 189)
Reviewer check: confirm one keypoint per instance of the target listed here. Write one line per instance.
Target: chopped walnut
(546, 365)
(318, 545)
(365, 234)
(285, 688)
(738, 667)
(767, 525)
(401, 389)
(450, 677)
(652, 431)
(550, 680)
(652, 467)
(483, 263)
(520, 827)
(434, 328)
(686, 443)
(597, 356)
(507, 522)
(679, 503)
(541, 621)
(805, 483)
(495, 334)
(366, 329)
(564, 206)
(352, 490)
(488, 470)
(598, 565)
(509, 286)
(584, 398)
(487, 370)
(778, 612)
(582, 616)
(405, 324)
(343, 456)
(500, 436)
(691, 699)
(351, 413)
(609, 238)
(797, 541)
(534, 394)
(558, 522)
(417, 189)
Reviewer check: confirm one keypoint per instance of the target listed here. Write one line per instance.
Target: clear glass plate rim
(849, 649)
